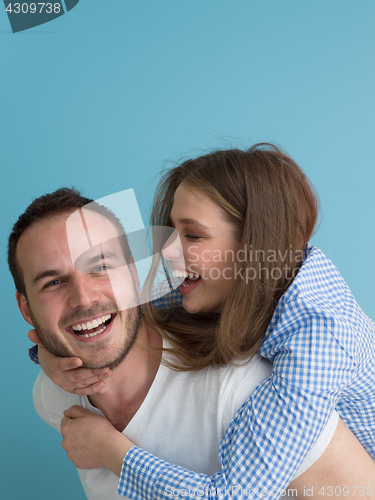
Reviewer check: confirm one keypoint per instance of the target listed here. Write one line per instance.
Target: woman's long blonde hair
(271, 203)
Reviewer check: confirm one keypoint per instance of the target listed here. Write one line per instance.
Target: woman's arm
(273, 431)
(344, 470)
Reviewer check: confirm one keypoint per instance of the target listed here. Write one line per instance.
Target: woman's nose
(172, 249)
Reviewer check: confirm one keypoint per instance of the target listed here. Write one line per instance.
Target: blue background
(101, 97)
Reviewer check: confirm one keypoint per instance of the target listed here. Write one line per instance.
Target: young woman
(254, 284)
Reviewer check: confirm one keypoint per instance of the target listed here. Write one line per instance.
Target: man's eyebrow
(100, 257)
(48, 273)
(193, 222)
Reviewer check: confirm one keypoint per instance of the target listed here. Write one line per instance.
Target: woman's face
(209, 247)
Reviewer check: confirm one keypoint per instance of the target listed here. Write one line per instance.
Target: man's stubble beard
(132, 327)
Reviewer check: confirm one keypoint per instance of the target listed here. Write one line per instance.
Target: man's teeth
(89, 325)
(177, 273)
(88, 335)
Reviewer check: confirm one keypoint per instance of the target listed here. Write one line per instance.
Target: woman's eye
(192, 237)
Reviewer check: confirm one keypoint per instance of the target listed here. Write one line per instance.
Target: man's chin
(98, 365)
(112, 363)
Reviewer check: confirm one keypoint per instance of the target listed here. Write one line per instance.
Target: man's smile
(93, 327)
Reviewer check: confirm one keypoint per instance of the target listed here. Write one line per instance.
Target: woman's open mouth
(190, 282)
(190, 277)
(92, 328)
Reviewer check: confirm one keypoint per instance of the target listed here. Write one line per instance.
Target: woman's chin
(191, 306)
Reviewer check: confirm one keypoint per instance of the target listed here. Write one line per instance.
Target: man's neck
(126, 389)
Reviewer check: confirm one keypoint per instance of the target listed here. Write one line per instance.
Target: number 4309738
(346, 491)
(33, 8)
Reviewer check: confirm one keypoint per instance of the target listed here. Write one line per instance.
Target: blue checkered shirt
(323, 351)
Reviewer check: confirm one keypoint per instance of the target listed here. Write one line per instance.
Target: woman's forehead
(191, 204)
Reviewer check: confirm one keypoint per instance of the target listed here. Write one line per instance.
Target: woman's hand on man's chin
(68, 373)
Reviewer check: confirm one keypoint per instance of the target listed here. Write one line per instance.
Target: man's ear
(23, 306)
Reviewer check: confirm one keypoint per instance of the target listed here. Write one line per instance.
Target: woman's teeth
(190, 277)
(90, 325)
(177, 273)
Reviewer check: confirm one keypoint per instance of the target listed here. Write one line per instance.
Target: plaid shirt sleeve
(316, 341)
(161, 298)
(272, 432)
(33, 354)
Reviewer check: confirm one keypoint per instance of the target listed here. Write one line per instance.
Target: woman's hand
(66, 372)
(91, 441)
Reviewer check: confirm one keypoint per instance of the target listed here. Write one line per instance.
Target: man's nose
(83, 293)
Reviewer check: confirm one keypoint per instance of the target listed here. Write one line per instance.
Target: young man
(80, 293)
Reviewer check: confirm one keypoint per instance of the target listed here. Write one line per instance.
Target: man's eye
(100, 269)
(52, 283)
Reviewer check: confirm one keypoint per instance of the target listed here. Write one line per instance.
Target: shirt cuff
(139, 474)
(145, 476)
(33, 354)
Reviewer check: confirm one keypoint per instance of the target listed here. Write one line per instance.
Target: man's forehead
(86, 229)
(82, 229)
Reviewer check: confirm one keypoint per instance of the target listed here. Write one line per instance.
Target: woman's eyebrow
(193, 222)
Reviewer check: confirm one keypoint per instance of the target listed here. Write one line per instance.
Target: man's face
(75, 308)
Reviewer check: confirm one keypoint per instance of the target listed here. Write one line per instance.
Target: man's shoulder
(234, 383)
(50, 401)
(46, 389)
(238, 383)
(223, 381)
(254, 369)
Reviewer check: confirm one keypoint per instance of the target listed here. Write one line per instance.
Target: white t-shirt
(182, 419)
